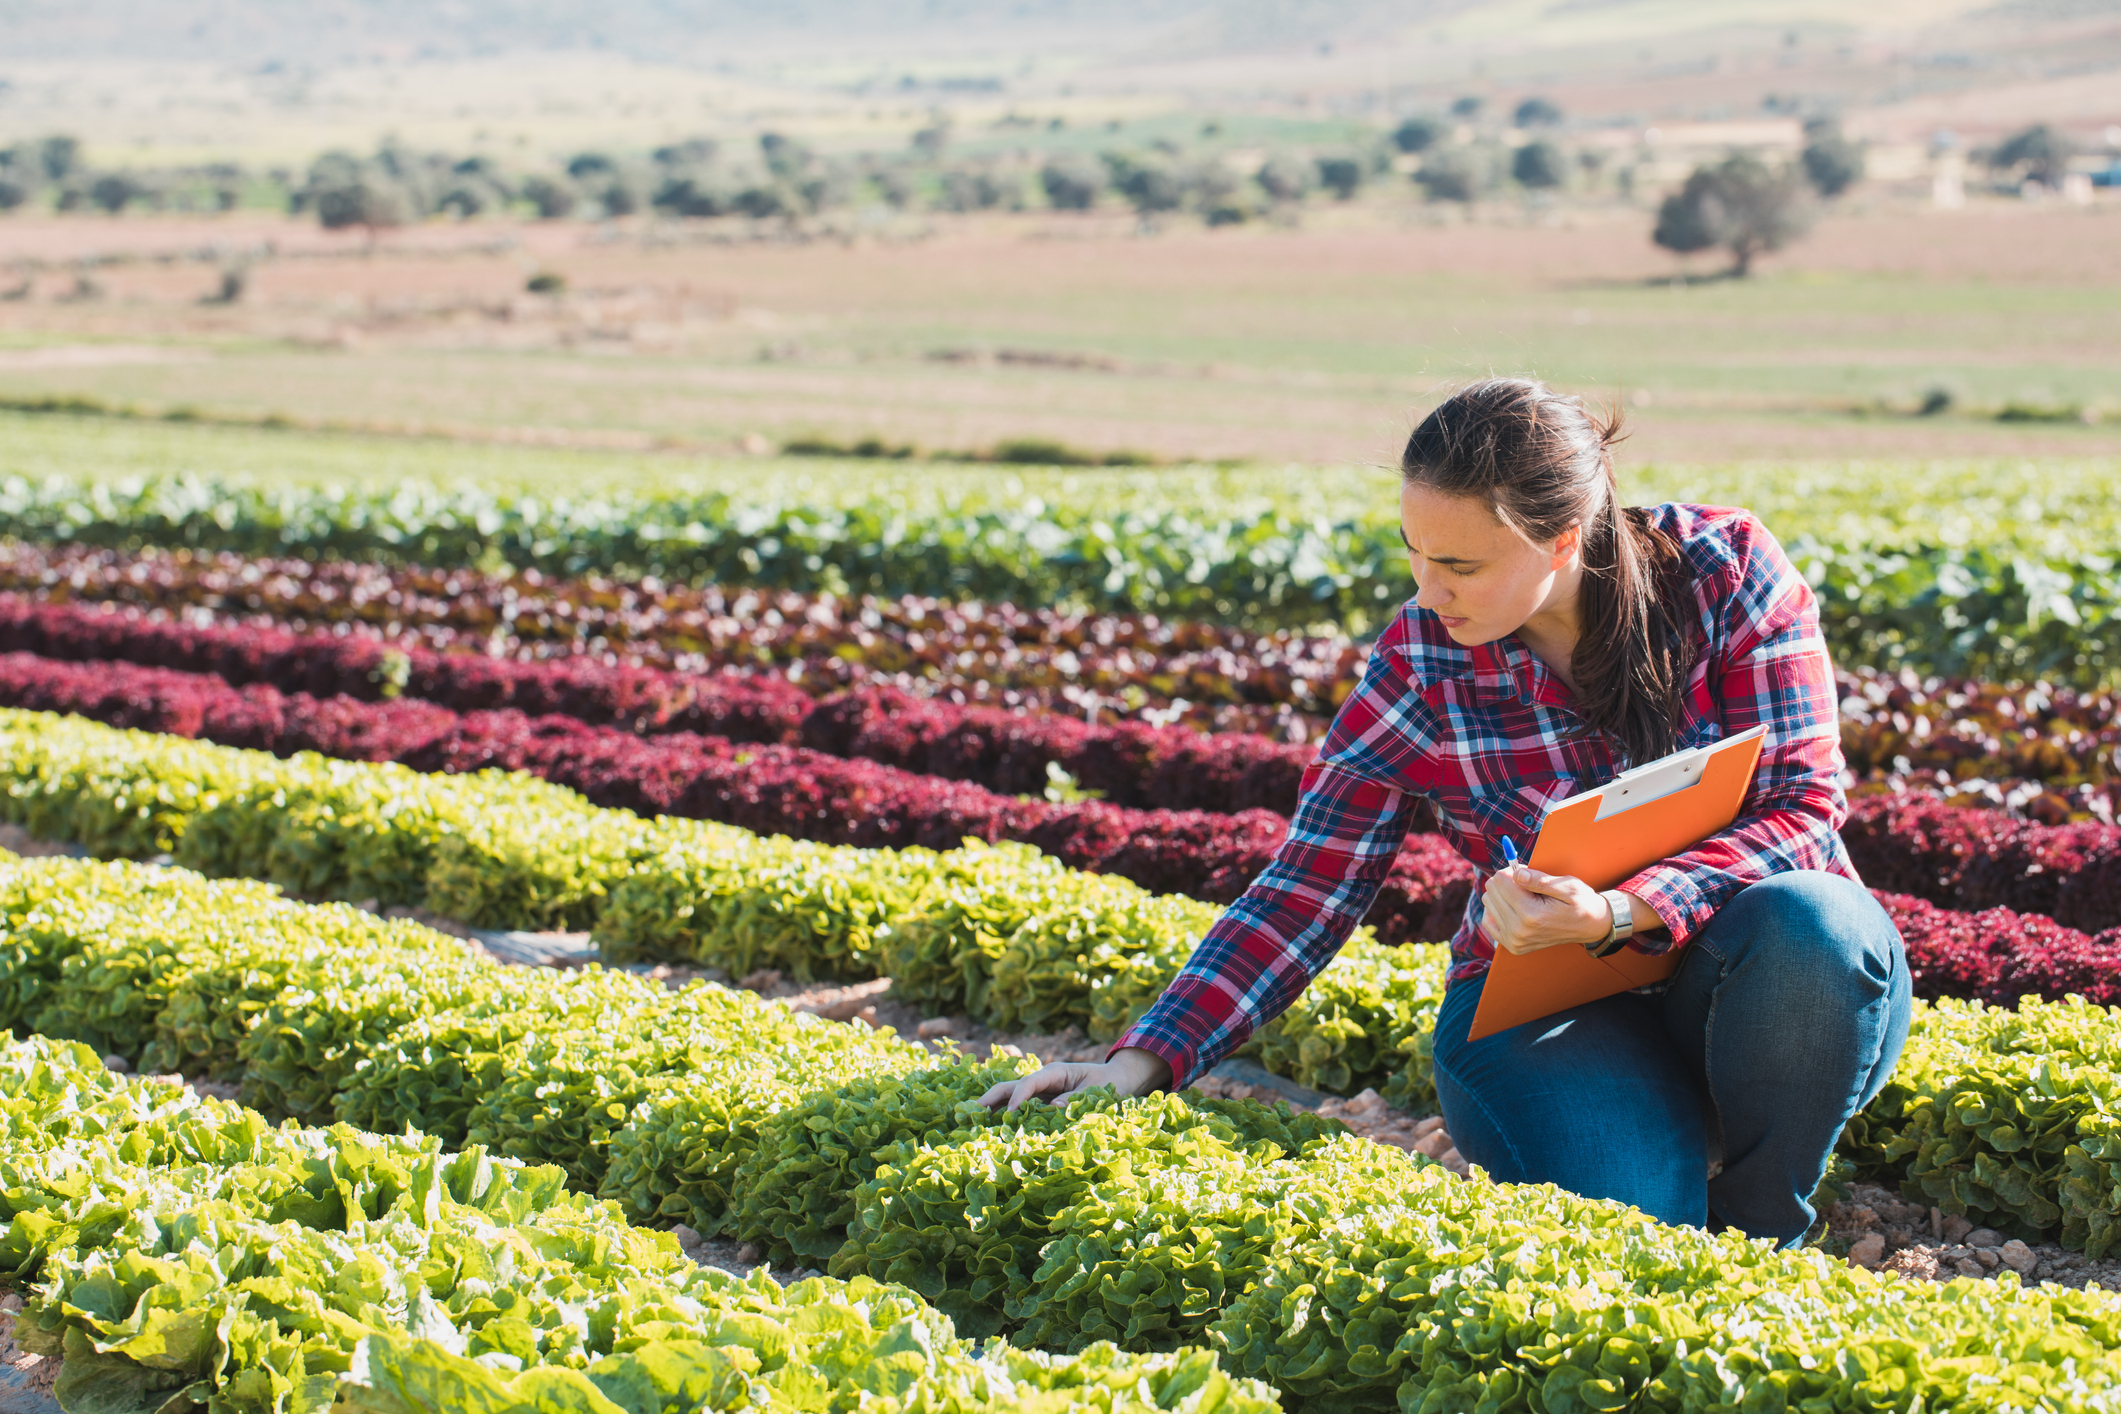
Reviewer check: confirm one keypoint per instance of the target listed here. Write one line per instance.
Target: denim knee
(1809, 918)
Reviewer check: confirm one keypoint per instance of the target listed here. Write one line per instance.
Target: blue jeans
(1785, 1018)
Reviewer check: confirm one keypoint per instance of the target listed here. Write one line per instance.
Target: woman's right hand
(1131, 1071)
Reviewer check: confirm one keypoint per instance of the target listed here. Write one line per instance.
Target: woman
(1555, 640)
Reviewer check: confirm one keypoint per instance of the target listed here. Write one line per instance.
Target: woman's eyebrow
(1435, 559)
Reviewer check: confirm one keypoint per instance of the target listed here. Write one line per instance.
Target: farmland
(279, 772)
(1310, 345)
(547, 762)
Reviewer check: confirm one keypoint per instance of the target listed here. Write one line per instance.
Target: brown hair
(1543, 462)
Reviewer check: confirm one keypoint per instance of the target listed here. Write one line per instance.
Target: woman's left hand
(1526, 910)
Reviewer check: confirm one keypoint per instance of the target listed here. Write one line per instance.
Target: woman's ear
(1570, 541)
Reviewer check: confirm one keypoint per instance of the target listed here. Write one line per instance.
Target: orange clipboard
(1573, 839)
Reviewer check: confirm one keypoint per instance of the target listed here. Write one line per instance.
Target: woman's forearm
(1136, 1071)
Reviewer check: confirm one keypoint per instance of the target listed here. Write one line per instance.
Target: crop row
(187, 1255)
(1958, 857)
(2045, 751)
(776, 790)
(1327, 1266)
(1002, 933)
(2000, 875)
(1109, 665)
(2004, 610)
(2063, 740)
(1130, 763)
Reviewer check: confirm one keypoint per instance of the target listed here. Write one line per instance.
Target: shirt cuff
(1180, 1058)
(1677, 901)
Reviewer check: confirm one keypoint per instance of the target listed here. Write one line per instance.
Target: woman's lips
(1449, 622)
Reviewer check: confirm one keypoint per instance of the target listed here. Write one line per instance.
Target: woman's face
(1474, 572)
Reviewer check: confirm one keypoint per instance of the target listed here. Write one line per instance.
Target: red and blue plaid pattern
(1483, 733)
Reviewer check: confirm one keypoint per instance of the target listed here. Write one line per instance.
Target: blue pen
(1509, 851)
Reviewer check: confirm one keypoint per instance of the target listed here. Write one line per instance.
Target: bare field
(1317, 344)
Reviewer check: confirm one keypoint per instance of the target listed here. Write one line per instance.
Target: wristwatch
(1621, 929)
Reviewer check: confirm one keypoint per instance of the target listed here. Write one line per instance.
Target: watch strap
(1621, 928)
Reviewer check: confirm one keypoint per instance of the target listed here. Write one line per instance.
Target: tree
(2039, 153)
(1539, 166)
(601, 178)
(1450, 174)
(768, 199)
(895, 187)
(785, 157)
(1536, 112)
(1417, 134)
(1741, 204)
(1212, 183)
(1341, 176)
(692, 193)
(21, 174)
(1690, 220)
(552, 197)
(1151, 187)
(1468, 106)
(692, 152)
(369, 200)
(620, 193)
(1071, 184)
(1284, 178)
(825, 188)
(930, 141)
(1832, 163)
(974, 189)
(114, 191)
(60, 156)
(467, 197)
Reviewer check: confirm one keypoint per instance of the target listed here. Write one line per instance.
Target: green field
(2052, 505)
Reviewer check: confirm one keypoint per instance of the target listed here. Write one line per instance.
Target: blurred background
(1263, 232)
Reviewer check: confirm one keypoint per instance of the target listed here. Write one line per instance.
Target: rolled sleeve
(1287, 926)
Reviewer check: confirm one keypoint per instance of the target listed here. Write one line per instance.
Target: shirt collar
(1495, 672)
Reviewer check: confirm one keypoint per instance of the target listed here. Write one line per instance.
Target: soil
(16, 840)
(25, 1379)
(1877, 1229)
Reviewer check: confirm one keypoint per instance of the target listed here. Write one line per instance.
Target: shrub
(1536, 112)
(1832, 164)
(1740, 204)
(1071, 185)
(1341, 176)
(1541, 166)
(1418, 134)
(1450, 174)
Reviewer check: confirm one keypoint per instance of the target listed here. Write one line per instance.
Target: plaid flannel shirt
(1480, 732)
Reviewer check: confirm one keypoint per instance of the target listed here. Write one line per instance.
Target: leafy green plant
(1153, 1255)
(964, 1222)
(797, 1185)
(190, 1255)
(1435, 1294)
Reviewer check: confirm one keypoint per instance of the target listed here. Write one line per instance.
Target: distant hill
(331, 31)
